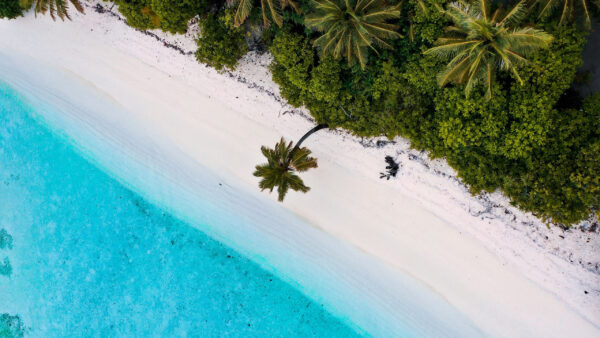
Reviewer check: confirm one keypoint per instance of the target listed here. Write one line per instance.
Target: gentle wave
(351, 284)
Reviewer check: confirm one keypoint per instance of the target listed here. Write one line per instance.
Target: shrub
(169, 15)
(220, 43)
(293, 53)
(10, 9)
(562, 180)
(139, 14)
(521, 142)
(175, 14)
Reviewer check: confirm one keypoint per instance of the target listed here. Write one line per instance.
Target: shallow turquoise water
(91, 258)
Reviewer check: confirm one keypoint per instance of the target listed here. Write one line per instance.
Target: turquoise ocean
(90, 258)
(109, 230)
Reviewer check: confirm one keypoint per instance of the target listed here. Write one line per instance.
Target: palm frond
(586, 13)
(352, 27)
(56, 8)
(548, 6)
(454, 71)
(301, 160)
(272, 8)
(515, 15)
(488, 76)
(452, 48)
(482, 7)
(571, 11)
(528, 39)
(283, 161)
(478, 44)
(242, 10)
(291, 3)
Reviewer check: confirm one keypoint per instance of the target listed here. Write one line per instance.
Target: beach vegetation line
(488, 85)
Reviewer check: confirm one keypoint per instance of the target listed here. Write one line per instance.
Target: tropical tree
(56, 8)
(271, 9)
(570, 10)
(479, 43)
(353, 27)
(283, 162)
(10, 9)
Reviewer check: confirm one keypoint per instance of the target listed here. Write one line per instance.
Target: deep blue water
(88, 257)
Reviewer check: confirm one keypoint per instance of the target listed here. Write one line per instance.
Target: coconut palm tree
(56, 8)
(283, 162)
(570, 10)
(480, 42)
(271, 9)
(353, 27)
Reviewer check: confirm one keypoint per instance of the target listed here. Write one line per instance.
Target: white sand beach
(502, 269)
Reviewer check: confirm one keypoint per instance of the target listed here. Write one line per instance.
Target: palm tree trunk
(308, 133)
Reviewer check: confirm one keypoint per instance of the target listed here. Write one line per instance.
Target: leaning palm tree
(570, 10)
(56, 8)
(283, 162)
(271, 9)
(353, 27)
(480, 43)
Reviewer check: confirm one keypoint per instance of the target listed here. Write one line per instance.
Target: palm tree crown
(271, 9)
(480, 43)
(351, 27)
(58, 8)
(569, 9)
(282, 163)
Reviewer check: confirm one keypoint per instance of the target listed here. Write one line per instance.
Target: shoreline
(439, 227)
(272, 237)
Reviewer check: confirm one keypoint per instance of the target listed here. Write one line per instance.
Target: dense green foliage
(139, 14)
(351, 27)
(562, 179)
(568, 10)
(220, 44)
(283, 161)
(169, 15)
(10, 9)
(523, 141)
